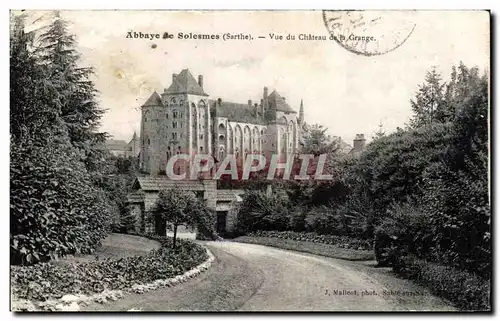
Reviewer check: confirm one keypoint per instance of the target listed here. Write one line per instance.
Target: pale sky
(345, 92)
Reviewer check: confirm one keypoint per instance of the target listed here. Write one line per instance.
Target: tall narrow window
(175, 114)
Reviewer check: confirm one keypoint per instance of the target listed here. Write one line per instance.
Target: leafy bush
(460, 217)
(54, 208)
(468, 291)
(339, 241)
(48, 280)
(405, 230)
(263, 211)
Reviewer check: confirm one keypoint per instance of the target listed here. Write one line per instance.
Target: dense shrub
(390, 169)
(48, 280)
(466, 290)
(54, 208)
(340, 241)
(460, 217)
(405, 230)
(263, 211)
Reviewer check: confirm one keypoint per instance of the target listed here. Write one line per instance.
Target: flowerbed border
(73, 302)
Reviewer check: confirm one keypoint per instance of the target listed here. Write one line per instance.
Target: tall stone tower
(178, 122)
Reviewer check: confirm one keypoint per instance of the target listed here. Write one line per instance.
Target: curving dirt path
(249, 277)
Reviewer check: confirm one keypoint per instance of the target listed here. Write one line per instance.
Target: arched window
(221, 138)
(146, 115)
(166, 115)
(221, 127)
(173, 100)
(201, 149)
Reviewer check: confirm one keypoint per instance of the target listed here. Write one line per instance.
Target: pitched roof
(184, 83)
(236, 112)
(115, 144)
(158, 183)
(227, 195)
(153, 100)
(344, 147)
(275, 100)
(135, 197)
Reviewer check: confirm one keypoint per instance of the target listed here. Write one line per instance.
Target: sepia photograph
(250, 161)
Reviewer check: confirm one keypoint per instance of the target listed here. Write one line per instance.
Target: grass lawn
(309, 247)
(116, 246)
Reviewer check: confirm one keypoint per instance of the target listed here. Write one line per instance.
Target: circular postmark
(369, 33)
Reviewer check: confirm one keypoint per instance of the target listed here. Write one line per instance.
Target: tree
(79, 108)
(176, 207)
(379, 133)
(56, 209)
(429, 103)
(34, 112)
(316, 140)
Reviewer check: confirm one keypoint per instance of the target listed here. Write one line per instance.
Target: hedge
(345, 242)
(467, 291)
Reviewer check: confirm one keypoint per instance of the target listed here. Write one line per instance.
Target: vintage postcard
(315, 160)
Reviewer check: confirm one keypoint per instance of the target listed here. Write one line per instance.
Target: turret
(301, 112)
(265, 102)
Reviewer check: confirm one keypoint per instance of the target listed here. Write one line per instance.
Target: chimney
(250, 102)
(173, 77)
(219, 101)
(359, 142)
(265, 93)
(200, 81)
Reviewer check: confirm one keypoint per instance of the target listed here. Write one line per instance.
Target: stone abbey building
(185, 119)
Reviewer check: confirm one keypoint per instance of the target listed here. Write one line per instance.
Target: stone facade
(184, 119)
(145, 193)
